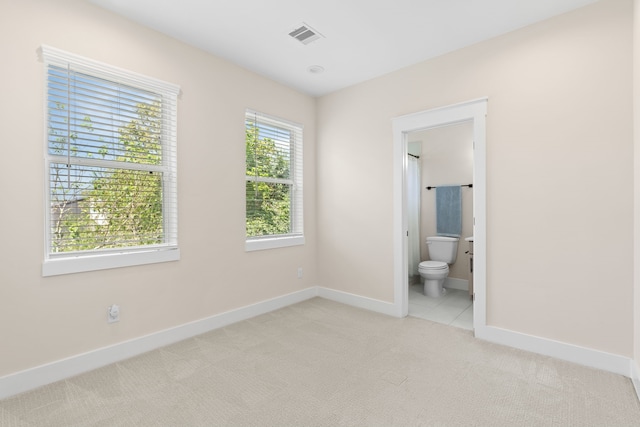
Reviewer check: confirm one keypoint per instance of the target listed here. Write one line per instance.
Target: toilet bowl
(442, 251)
(434, 274)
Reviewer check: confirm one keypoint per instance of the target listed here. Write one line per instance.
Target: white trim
(60, 57)
(475, 110)
(29, 379)
(79, 264)
(571, 353)
(273, 120)
(358, 301)
(273, 243)
(112, 164)
(635, 377)
(270, 180)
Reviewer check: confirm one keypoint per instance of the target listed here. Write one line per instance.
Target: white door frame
(476, 111)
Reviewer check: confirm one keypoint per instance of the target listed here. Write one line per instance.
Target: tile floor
(453, 308)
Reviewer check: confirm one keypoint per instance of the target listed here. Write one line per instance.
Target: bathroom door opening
(444, 156)
(475, 112)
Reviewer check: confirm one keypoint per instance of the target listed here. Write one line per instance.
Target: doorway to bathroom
(405, 130)
(440, 160)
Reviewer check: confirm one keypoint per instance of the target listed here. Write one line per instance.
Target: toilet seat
(432, 265)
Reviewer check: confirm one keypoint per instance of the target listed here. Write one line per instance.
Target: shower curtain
(413, 214)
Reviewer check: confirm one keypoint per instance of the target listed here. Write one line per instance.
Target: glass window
(111, 166)
(274, 214)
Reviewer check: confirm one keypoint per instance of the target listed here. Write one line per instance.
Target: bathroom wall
(45, 319)
(447, 159)
(559, 171)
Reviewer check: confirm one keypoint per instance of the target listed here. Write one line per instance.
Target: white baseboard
(559, 350)
(453, 283)
(358, 301)
(635, 377)
(29, 379)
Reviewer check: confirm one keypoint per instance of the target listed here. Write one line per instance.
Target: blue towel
(449, 211)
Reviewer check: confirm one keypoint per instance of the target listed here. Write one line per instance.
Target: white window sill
(79, 264)
(273, 243)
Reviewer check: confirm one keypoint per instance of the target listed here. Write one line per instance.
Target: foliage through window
(273, 177)
(110, 158)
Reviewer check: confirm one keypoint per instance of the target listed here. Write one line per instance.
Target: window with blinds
(273, 181)
(110, 159)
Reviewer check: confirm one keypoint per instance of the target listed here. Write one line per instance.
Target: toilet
(442, 252)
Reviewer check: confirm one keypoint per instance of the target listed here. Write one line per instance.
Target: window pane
(268, 151)
(95, 118)
(268, 208)
(101, 208)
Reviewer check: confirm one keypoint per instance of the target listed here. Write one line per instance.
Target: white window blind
(273, 177)
(110, 159)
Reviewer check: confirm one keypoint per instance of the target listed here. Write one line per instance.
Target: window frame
(296, 236)
(57, 263)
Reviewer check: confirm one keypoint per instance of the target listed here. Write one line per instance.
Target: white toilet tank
(443, 248)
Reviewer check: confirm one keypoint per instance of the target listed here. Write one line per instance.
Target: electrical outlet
(113, 313)
(299, 272)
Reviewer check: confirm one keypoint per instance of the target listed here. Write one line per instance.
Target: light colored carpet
(320, 363)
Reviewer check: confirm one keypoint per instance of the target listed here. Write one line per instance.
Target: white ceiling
(363, 39)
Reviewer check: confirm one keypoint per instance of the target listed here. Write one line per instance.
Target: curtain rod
(463, 185)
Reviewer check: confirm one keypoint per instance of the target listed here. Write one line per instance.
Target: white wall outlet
(113, 313)
(299, 272)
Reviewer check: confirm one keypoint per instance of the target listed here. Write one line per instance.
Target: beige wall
(447, 159)
(46, 319)
(559, 174)
(559, 182)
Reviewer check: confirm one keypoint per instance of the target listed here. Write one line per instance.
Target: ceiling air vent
(305, 34)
